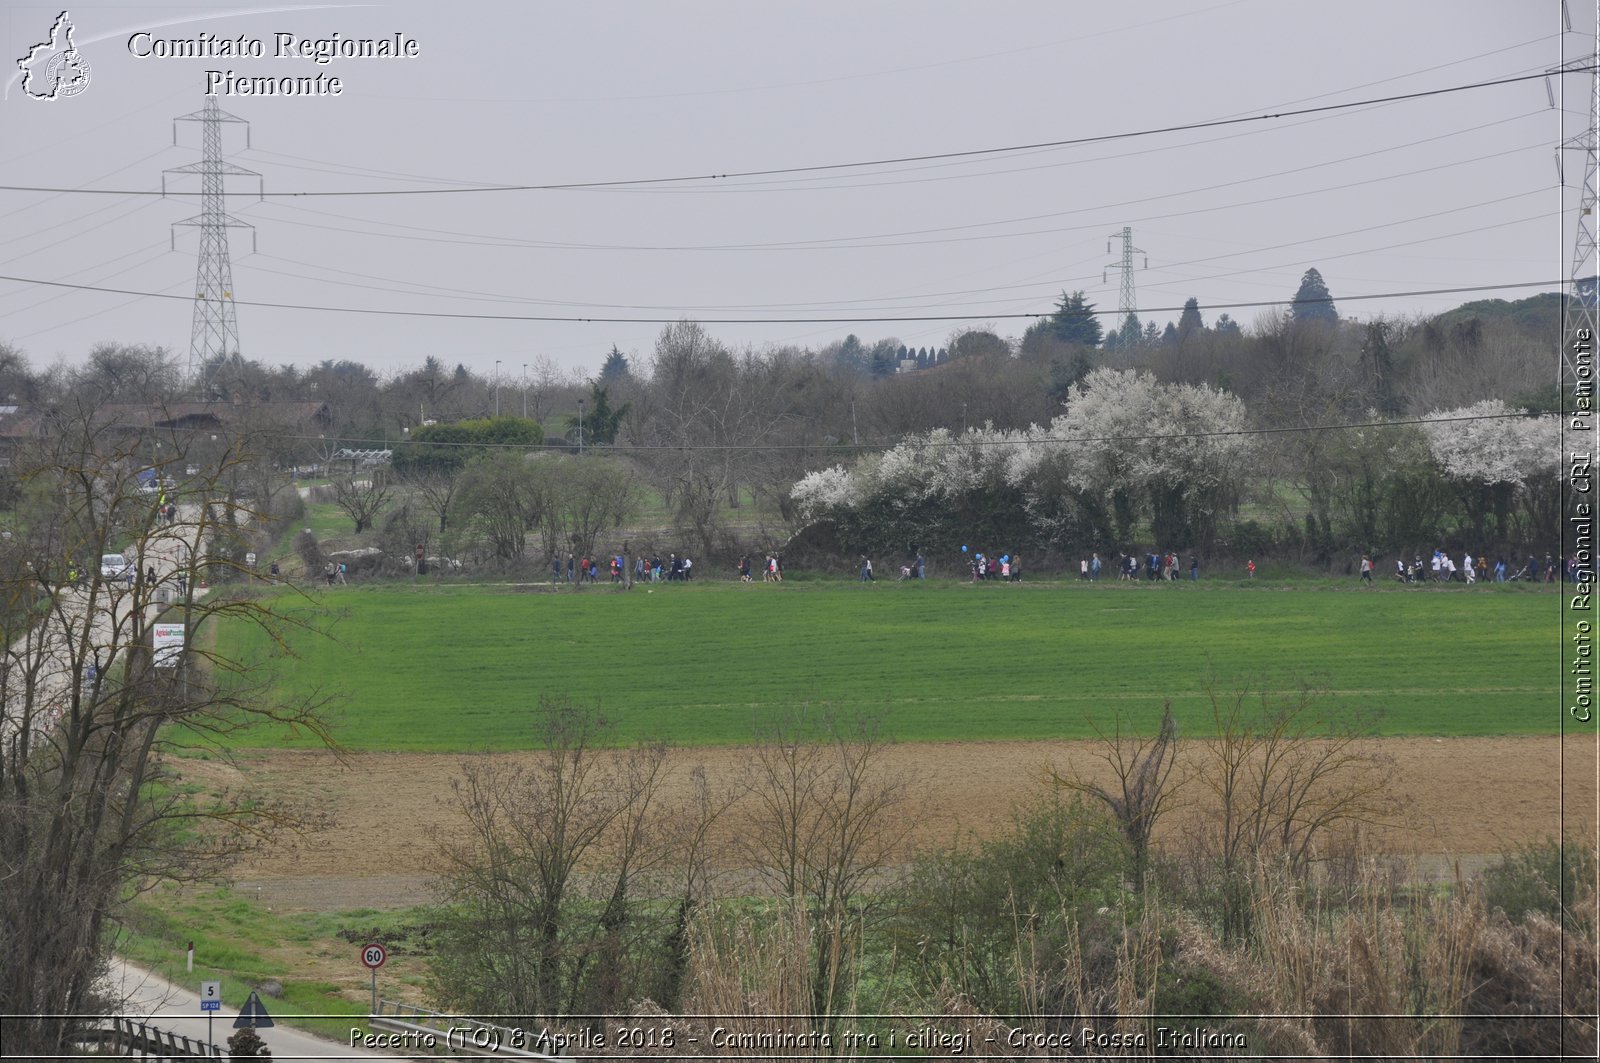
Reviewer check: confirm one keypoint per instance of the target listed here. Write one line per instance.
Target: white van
(116, 567)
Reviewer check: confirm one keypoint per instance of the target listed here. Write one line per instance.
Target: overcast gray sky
(1455, 190)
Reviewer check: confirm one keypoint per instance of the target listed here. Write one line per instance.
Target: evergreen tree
(882, 360)
(1190, 322)
(1152, 334)
(1227, 326)
(852, 355)
(615, 367)
(600, 421)
(1169, 335)
(1076, 322)
(1312, 302)
(1132, 332)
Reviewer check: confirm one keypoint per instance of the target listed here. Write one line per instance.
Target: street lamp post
(580, 426)
(497, 387)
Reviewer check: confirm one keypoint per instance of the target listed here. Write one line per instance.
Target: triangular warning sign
(253, 1014)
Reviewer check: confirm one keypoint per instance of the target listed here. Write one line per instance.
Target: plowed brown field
(1457, 798)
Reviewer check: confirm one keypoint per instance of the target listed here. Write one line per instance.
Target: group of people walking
(771, 569)
(1007, 567)
(1442, 568)
(1164, 566)
(650, 569)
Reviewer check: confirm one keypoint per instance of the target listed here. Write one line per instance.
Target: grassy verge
(243, 944)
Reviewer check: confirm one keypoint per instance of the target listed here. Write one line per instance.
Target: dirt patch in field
(1458, 797)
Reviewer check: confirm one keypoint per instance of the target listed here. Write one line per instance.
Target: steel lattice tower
(215, 331)
(1126, 303)
(1579, 304)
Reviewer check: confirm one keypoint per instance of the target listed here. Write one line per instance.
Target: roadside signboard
(372, 957)
(168, 645)
(210, 996)
(253, 1014)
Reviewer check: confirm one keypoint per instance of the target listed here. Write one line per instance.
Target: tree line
(721, 434)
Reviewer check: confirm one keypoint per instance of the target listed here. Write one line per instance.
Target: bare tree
(1143, 790)
(542, 385)
(503, 496)
(597, 496)
(90, 809)
(362, 500)
(554, 883)
(129, 373)
(822, 828)
(437, 490)
(1284, 773)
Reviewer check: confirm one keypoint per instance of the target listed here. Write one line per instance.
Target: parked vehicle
(116, 567)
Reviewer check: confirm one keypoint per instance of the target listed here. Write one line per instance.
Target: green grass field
(461, 668)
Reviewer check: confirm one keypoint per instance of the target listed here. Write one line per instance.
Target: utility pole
(524, 391)
(214, 334)
(497, 387)
(580, 427)
(1126, 303)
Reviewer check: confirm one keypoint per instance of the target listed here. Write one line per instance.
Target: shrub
(1249, 538)
(309, 551)
(991, 924)
(1540, 878)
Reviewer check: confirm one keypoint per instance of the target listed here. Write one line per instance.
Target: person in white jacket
(1466, 568)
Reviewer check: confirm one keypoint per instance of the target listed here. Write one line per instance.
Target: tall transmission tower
(215, 330)
(1126, 303)
(1582, 287)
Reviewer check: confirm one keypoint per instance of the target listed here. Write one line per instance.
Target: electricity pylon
(1578, 310)
(215, 329)
(1126, 303)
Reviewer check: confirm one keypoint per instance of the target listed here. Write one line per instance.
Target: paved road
(46, 650)
(148, 997)
(159, 1002)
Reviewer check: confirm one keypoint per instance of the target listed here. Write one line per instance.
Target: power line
(459, 316)
(479, 296)
(893, 239)
(324, 166)
(862, 164)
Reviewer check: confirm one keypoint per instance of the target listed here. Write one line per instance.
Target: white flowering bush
(1487, 443)
(819, 494)
(1506, 468)
(1172, 451)
(1125, 450)
(1130, 452)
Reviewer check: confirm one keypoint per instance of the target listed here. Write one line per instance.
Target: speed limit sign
(373, 955)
